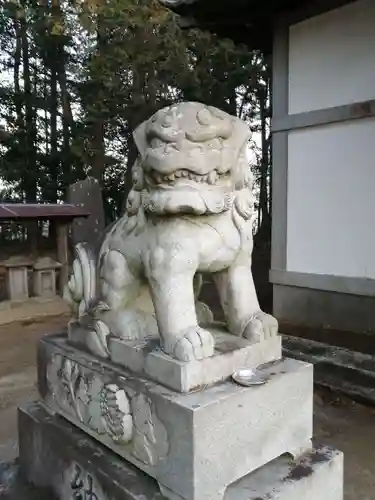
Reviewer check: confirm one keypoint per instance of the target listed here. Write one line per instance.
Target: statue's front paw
(262, 326)
(196, 343)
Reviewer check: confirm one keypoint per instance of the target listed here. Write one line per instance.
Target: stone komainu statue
(189, 211)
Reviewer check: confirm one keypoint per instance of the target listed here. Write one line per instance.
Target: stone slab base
(14, 486)
(317, 475)
(193, 444)
(62, 462)
(146, 358)
(231, 354)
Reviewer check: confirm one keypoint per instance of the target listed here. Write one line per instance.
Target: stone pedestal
(17, 278)
(108, 431)
(63, 463)
(44, 278)
(217, 441)
(193, 444)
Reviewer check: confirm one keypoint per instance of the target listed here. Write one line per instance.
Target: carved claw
(195, 344)
(204, 313)
(262, 326)
(96, 339)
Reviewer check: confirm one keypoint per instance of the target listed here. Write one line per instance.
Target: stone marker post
(87, 194)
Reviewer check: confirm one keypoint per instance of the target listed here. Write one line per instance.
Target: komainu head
(192, 159)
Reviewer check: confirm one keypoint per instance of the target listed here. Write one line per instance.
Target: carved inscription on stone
(107, 409)
(82, 486)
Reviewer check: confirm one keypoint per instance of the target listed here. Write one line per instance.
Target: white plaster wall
(332, 58)
(331, 199)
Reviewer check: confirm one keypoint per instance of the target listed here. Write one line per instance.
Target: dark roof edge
(176, 3)
(197, 14)
(229, 21)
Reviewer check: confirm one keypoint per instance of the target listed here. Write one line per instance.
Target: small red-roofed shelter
(61, 215)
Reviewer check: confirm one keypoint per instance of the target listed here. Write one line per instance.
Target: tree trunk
(270, 84)
(68, 128)
(54, 152)
(16, 78)
(131, 157)
(29, 180)
(97, 121)
(263, 191)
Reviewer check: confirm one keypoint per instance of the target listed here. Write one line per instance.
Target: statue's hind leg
(119, 288)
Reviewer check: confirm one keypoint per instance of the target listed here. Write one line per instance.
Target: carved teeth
(212, 177)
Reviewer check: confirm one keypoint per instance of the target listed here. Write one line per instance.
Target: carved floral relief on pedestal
(128, 418)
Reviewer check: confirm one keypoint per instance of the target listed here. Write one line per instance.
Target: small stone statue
(190, 211)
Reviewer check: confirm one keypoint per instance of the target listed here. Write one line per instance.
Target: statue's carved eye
(204, 117)
(168, 120)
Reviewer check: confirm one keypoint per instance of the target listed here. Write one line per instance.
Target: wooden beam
(327, 282)
(336, 114)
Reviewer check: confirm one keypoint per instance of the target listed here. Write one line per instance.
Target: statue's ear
(241, 135)
(140, 138)
(238, 145)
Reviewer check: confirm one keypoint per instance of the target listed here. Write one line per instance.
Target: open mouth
(212, 178)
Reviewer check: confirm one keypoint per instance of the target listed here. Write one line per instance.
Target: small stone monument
(191, 409)
(17, 277)
(87, 194)
(44, 278)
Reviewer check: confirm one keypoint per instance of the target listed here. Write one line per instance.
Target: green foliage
(80, 75)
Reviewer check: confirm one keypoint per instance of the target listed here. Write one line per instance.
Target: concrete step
(14, 487)
(336, 368)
